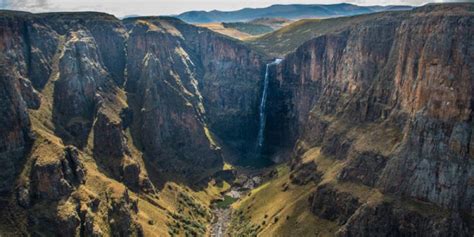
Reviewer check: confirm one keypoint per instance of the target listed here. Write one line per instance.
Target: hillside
(89, 149)
(291, 11)
(247, 30)
(379, 114)
(275, 23)
(231, 32)
(288, 38)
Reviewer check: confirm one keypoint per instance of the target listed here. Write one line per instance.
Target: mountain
(292, 11)
(380, 115)
(101, 115)
(149, 126)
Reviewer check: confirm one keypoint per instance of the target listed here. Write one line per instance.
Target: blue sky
(168, 7)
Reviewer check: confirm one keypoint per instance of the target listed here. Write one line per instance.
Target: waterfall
(262, 114)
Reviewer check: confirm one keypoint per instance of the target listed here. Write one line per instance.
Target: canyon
(150, 126)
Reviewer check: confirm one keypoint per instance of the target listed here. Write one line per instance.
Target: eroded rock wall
(408, 75)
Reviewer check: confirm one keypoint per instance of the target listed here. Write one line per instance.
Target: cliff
(122, 128)
(100, 113)
(389, 103)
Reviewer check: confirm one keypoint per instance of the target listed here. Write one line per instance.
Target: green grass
(228, 200)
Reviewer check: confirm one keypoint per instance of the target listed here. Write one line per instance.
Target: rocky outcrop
(122, 217)
(304, 173)
(75, 92)
(387, 219)
(85, 215)
(30, 45)
(108, 32)
(111, 150)
(331, 204)
(42, 42)
(53, 178)
(109, 140)
(365, 167)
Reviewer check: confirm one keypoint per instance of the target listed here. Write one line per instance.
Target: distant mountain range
(292, 11)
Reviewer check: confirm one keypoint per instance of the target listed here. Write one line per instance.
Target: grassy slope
(241, 30)
(275, 23)
(271, 211)
(249, 28)
(231, 32)
(256, 213)
(288, 38)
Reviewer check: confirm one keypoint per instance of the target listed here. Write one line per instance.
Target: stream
(223, 215)
(218, 228)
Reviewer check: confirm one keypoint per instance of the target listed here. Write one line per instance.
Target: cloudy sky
(168, 7)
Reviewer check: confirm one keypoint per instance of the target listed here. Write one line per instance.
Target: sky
(122, 8)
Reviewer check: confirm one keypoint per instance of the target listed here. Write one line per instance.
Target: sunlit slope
(288, 38)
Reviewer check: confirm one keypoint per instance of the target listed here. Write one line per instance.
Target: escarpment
(389, 103)
(75, 91)
(216, 77)
(15, 130)
(100, 113)
(126, 127)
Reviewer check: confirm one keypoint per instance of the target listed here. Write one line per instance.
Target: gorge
(145, 126)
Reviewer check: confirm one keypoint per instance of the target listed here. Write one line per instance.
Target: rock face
(385, 219)
(53, 179)
(16, 95)
(75, 98)
(15, 134)
(392, 98)
(108, 32)
(111, 102)
(207, 88)
(333, 205)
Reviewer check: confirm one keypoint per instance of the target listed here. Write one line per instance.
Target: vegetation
(226, 202)
(274, 22)
(270, 211)
(288, 38)
(231, 32)
(249, 28)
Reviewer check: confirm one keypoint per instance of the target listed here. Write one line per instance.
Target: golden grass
(152, 219)
(228, 166)
(212, 192)
(269, 202)
(231, 32)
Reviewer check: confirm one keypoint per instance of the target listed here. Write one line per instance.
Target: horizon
(124, 8)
